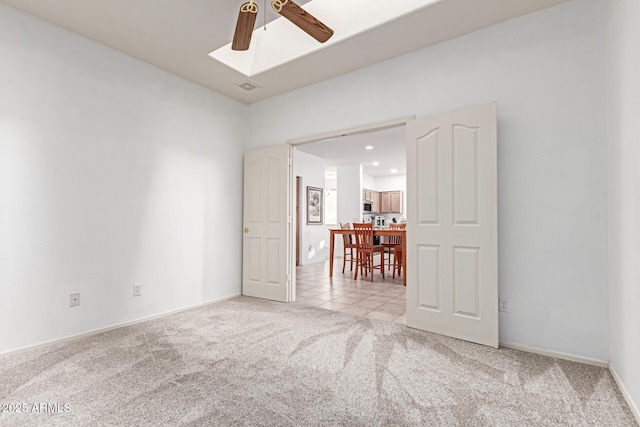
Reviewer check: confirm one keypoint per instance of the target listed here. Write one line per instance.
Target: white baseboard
(556, 354)
(625, 393)
(117, 325)
(571, 357)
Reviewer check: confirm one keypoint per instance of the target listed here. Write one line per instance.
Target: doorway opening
(344, 163)
(451, 184)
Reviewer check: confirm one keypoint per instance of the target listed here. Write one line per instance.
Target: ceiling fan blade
(303, 19)
(244, 26)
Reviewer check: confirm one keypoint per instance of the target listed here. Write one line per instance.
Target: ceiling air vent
(247, 85)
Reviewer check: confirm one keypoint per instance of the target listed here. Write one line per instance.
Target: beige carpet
(254, 362)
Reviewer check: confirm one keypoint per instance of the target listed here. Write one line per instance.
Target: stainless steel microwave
(367, 206)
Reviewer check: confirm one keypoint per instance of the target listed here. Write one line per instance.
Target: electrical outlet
(503, 305)
(137, 289)
(74, 299)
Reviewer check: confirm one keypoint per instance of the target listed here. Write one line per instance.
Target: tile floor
(384, 299)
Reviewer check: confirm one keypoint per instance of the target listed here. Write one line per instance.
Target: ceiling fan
(294, 13)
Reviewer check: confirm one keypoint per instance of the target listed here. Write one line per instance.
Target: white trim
(332, 134)
(632, 405)
(556, 354)
(116, 326)
(291, 230)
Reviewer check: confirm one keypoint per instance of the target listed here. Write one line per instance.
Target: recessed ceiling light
(375, 163)
(369, 147)
(394, 170)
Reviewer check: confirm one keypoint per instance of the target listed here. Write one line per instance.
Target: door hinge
(288, 278)
(289, 219)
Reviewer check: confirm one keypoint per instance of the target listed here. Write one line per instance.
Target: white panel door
(268, 229)
(452, 235)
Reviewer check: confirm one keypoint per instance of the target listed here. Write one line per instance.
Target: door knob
(246, 230)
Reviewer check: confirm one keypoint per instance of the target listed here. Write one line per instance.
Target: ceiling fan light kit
(288, 9)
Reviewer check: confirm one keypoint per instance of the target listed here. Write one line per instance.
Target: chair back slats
(364, 235)
(398, 257)
(366, 250)
(346, 237)
(396, 240)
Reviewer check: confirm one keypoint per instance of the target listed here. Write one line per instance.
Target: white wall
(349, 183)
(623, 111)
(349, 179)
(368, 181)
(112, 172)
(314, 241)
(546, 72)
(331, 184)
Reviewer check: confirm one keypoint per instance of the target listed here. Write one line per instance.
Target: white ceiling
(178, 36)
(389, 151)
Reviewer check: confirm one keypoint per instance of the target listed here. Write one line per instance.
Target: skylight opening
(283, 42)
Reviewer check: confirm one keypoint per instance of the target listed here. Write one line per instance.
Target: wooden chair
(389, 243)
(366, 250)
(397, 249)
(348, 245)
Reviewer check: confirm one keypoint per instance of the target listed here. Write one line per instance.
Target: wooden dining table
(400, 232)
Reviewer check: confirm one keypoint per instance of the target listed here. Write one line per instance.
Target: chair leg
(344, 261)
(372, 264)
(395, 262)
(364, 264)
(367, 264)
(397, 265)
(351, 259)
(355, 276)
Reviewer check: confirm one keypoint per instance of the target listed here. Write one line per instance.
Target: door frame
(329, 135)
(339, 133)
(298, 215)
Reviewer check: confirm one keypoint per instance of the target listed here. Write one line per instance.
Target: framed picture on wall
(315, 205)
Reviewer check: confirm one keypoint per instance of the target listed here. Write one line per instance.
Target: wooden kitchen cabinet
(385, 202)
(395, 201)
(372, 196)
(390, 201)
(375, 199)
